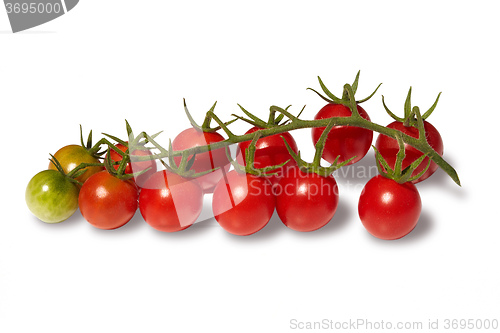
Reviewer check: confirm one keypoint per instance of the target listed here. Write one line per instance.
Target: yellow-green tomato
(73, 155)
(51, 196)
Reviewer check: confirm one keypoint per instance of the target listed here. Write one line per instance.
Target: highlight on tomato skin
(51, 197)
(306, 201)
(192, 137)
(343, 141)
(388, 148)
(107, 202)
(389, 210)
(169, 202)
(243, 204)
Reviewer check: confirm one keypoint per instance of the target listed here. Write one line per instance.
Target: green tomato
(51, 196)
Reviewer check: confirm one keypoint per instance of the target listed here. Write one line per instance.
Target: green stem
(82, 166)
(295, 123)
(421, 144)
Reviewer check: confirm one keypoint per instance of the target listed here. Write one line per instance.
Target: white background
(106, 61)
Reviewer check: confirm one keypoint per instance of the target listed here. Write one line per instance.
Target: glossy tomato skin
(387, 209)
(193, 137)
(243, 203)
(51, 197)
(346, 141)
(306, 201)
(107, 202)
(169, 202)
(73, 155)
(135, 166)
(388, 148)
(270, 150)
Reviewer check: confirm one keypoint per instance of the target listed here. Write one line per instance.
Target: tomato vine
(275, 126)
(294, 123)
(268, 163)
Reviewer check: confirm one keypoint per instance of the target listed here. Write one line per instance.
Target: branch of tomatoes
(79, 162)
(274, 171)
(293, 122)
(275, 126)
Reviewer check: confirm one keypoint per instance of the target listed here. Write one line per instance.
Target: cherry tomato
(51, 197)
(387, 209)
(306, 201)
(169, 202)
(73, 155)
(193, 137)
(107, 202)
(270, 150)
(243, 203)
(346, 141)
(388, 148)
(135, 166)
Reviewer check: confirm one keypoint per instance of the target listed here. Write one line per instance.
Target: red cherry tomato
(193, 137)
(135, 166)
(169, 202)
(306, 201)
(387, 209)
(243, 203)
(107, 202)
(270, 150)
(346, 141)
(388, 148)
(73, 155)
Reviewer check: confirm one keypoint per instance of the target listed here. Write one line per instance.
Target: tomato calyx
(315, 166)
(249, 167)
(184, 168)
(93, 150)
(347, 98)
(397, 173)
(133, 144)
(75, 173)
(205, 126)
(273, 121)
(410, 117)
(120, 172)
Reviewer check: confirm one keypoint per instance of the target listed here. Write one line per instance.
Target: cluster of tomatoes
(108, 195)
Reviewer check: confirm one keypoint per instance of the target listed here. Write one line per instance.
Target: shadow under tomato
(134, 224)
(198, 229)
(440, 181)
(422, 229)
(72, 222)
